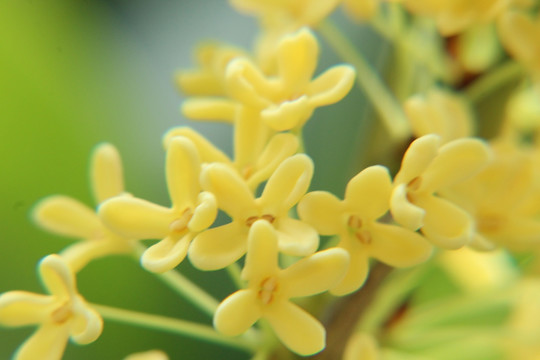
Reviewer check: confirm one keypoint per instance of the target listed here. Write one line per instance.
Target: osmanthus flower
(208, 79)
(191, 211)
(270, 289)
(69, 217)
(440, 112)
(427, 169)
(62, 315)
(354, 220)
(219, 247)
(253, 166)
(148, 355)
(287, 100)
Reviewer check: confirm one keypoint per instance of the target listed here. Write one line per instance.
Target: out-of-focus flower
(61, 315)
(361, 346)
(270, 288)
(148, 355)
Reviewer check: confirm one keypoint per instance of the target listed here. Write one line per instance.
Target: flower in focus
(270, 288)
(61, 315)
(67, 216)
(192, 211)
(354, 220)
(219, 247)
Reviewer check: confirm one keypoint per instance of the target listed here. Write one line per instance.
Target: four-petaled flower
(192, 211)
(61, 315)
(270, 288)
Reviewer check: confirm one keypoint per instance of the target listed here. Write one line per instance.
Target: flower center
(180, 224)
(62, 313)
(250, 220)
(489, 223)
(267, 290)
(355, 224)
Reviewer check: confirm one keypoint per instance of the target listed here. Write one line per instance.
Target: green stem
(235, 274)
(493, 80)
(369, 81)
(185, 288)
(247, 343)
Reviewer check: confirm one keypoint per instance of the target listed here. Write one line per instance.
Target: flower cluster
(457, 191)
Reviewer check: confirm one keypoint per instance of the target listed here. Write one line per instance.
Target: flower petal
(456, 161)
(331, 86)
(210, 109)
(107, 175)
(397, 246)
(78, 255)
(67, 216)
(445, 224)
(148, 355)
(297, 330)
(166, 254)
(287, 184)
(207, 151)
(361, 346)
(315, 274)
(47, 343)
(296, 238)
(323, 211)
(86, 326)
(205, 213)
(183, 168)
(417, 158)
(20, 308)
(288, 114)
(230, 190)
(368, 193)
(218, 247)
(57, 276)
(246, 84)
(250, 137)
(237, 313)
(262, 252)
(297, 59)
(357, 272)
(403, 211)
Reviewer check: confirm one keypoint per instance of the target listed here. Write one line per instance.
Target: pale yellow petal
(403, 211)
(237, 313)
(323, 211)
(20, 308)
(296, 237)
(47, 343)
(231, 191)
(182, 168)
(417, 158)
(314, 274)
(280, 147)
(397, 246)
(287, 184)
(445, 224)
(361, 346)
(246, 84)
(456, 161)
(297, 59)
(368, 193)
(288, 114)
(57, 276)
(481, 243)
(86, 325)
(361, 9)
(166, 254)
(67, 216)
(210, 109)
(198, 83)
(136, 218)
(78, 255)
(218, 247)
(148, 355)
(205, 213)
(297, 330)
(107, 174)
(262, 252)
(208, 152)
(250, 137)
(331, 86)
(519, 233)
(357, 272)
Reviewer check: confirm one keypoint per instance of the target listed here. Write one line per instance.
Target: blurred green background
(76, 73)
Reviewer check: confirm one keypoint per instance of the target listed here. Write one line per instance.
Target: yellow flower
(254, 166)
(286, 101)
(221, 246)
(69, 217)
(270, 288)
(209, 78)
(361, 346)
(148, 355)
(428, 168)
(192, 211)
(360, 9)
(440, 112)
(61, 315)
(354, 220)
